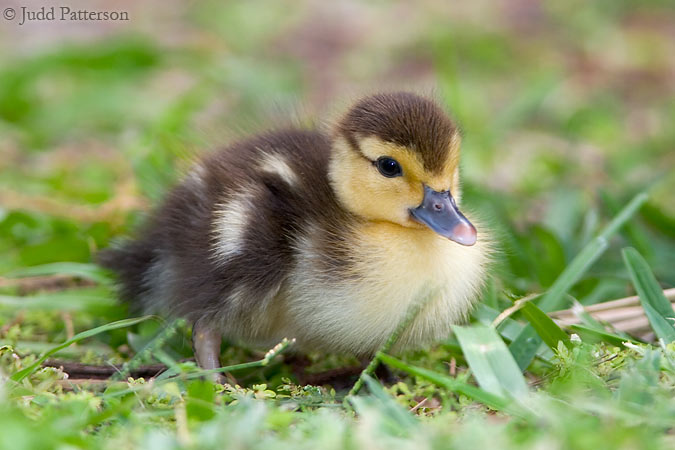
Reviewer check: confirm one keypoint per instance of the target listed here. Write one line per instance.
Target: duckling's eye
(388, 167)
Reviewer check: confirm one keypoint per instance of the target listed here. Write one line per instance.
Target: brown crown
(405, 119)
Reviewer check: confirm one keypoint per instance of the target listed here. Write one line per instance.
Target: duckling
(325, 238)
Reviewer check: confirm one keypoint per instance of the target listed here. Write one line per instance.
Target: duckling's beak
(439, 212)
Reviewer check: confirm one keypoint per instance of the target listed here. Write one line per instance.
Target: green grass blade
(152, 346)
(82, 270)
(632, 230)
(23, 373)
(545, 327)
(591, 334)
(591, 323)
(37, 347)
(389, 405)
(489, 399)
(90, 300)
(658, 309)
(624, 215)
(657, 218)
(201, 373)
(555, 296)
(269, 356)
(508, 329)
(524, 347)
(645, 283)
(661, 326)
(491, 362)
(490, 299)
(596, 335)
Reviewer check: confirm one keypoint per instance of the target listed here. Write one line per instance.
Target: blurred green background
(567, 110)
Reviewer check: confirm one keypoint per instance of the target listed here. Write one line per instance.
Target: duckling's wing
(223, 242)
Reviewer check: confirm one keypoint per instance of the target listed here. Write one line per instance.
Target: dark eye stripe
(388, 167)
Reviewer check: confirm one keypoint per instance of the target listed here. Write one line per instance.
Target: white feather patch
(277, 164)
(232, 218)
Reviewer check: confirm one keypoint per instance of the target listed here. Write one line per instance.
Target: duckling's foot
(206, 346)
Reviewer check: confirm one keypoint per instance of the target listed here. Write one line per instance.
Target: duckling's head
(396, 159)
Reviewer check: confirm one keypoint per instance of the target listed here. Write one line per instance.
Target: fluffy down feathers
(295, 234)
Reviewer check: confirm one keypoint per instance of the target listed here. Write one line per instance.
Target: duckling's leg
(206, 346)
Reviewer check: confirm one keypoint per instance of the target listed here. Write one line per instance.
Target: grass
(567, 157)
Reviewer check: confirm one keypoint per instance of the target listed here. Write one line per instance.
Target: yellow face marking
(413, 168)
(364, 191)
